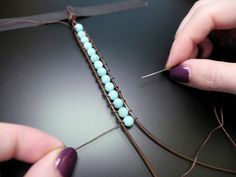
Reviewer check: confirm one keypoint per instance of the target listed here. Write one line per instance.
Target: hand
(30, 145)
(192, 40)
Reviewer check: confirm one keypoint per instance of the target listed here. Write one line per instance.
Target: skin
(192, 34)
(32, 146)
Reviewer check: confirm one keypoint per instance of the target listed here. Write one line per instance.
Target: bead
(118, 103)
(109, 86)
(102, 71)
(123, 112)
(81, 34)
(128, 121)
(84, 39)
(113, 94)
(94, 58)
(98, 64)
(78, 27)
(91, 52)
(105, 79)
(87, 45)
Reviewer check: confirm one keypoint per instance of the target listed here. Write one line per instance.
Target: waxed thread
(135, 118)
(142, 127)
(149, 135)
(221, 126)
(223, 129)
(129, 136)
(137, 122)
(97, 137)
(221, 123)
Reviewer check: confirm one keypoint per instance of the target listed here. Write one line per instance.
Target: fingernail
(180, 73)
(66, 161)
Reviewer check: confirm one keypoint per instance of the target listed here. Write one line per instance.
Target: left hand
(30, 145)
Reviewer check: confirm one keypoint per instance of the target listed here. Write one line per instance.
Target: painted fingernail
(180, 73)
(66, 161)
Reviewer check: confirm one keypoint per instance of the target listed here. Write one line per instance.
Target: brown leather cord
(55, 17)
(71, 14)
(180, 155)
(155, 139)
(141, 126)
(171, 150)
(125, 130)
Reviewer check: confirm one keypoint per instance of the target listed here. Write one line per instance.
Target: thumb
(206, 75)
(57, 163)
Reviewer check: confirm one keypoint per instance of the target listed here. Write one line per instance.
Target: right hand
(204, 17)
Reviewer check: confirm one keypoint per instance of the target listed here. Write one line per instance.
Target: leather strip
(54, 17)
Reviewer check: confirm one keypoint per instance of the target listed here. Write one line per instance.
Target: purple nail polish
(66, 161)
(180, 73)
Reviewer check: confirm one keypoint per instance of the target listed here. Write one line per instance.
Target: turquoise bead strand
(128, 119)
(103, 75)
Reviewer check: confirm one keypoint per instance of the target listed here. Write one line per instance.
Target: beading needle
(152, 74)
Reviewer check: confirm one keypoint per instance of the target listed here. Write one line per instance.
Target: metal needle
(152, 74)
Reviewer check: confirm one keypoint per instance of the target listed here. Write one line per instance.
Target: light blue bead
(123, 112)
(118, 103)
(113, 94)
(105, 79)
(91, 52)
(84, 39)
(109, 86)
(128, 121)
(81, 34)
(94, 58)
(98, 64)
(101, 71)
(87, 45)
(78, 27)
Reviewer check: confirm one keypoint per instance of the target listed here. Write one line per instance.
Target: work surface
(46, 83)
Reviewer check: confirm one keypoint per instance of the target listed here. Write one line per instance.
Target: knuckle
(203, 10)
(212, 79)
(198, 3)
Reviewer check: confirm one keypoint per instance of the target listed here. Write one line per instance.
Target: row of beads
(113, 95)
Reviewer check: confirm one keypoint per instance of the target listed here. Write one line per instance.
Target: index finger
(25, 143)
(217, 15)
